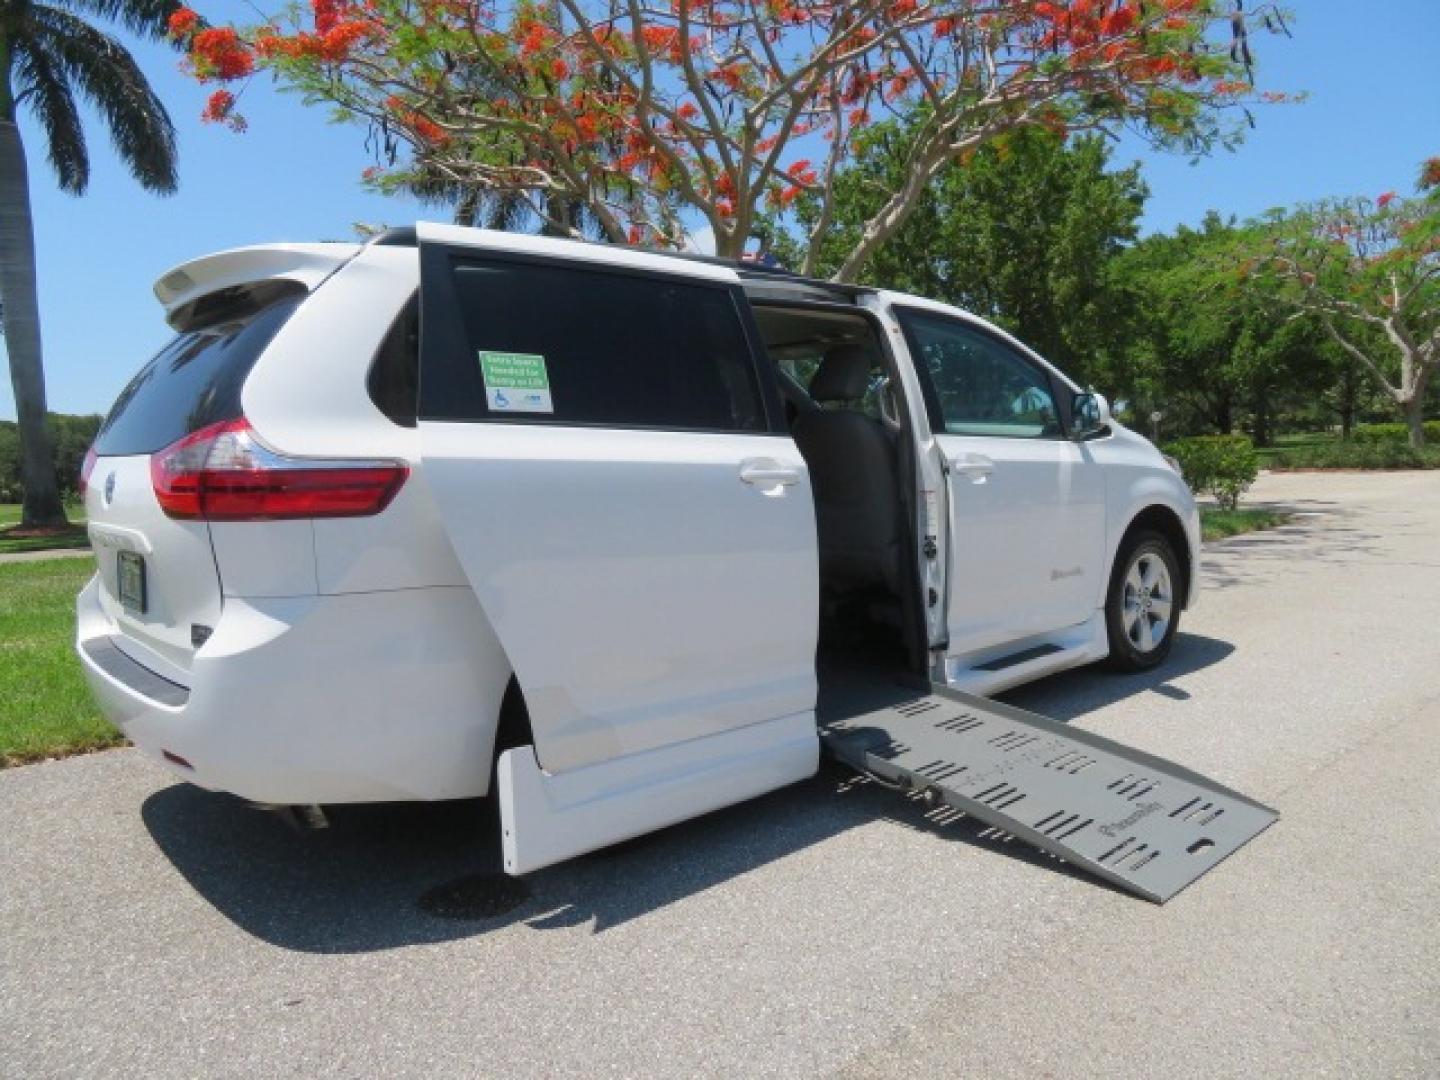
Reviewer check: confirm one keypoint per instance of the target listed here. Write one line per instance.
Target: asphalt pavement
(151, 929)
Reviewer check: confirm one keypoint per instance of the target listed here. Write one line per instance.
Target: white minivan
(403, 520)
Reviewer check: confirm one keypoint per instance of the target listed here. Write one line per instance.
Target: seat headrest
(843, 375)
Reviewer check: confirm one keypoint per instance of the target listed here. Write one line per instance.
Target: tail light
(225, 473)
(86, 468)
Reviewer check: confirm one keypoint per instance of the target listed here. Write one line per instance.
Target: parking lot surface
(148, 928)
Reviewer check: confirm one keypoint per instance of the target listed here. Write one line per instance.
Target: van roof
(406, 236)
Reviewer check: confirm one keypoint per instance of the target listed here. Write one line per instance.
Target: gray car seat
(852, 462)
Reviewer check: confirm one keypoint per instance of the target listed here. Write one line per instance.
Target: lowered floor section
(1140, 822)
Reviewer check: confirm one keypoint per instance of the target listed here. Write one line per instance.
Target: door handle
(976, 466)
(764, 473)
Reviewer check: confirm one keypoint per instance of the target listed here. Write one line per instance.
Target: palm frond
(50, 99)
(104, 72)
(143, 18)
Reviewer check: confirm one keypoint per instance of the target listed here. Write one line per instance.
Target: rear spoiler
(306, 264)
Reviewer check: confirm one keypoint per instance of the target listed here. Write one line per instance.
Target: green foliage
(1203, 349)
(1383, 454)
(1369, 271)
(1023, 233)
(1385, 433)
(1223, 466)
(70, 437)
(54, 56)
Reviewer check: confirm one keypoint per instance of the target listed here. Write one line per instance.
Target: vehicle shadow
(1074, 693)
(357, 886)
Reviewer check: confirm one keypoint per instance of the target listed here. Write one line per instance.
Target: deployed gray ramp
(1138, 821)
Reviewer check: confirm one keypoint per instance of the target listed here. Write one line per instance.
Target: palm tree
(49, 56)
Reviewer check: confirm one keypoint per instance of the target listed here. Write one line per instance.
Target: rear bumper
(364, 697)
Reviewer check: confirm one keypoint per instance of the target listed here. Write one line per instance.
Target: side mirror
(1089, 414)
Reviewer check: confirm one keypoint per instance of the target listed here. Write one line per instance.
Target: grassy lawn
(14, 545)
(1284, 444)
(1216, 524)
(10, 513)
(74, 538)
(45, 707)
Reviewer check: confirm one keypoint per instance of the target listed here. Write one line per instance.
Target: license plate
(131, 579)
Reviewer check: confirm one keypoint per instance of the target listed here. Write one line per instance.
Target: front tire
(1142, 608)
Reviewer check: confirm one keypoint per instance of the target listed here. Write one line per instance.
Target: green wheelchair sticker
(515, 382)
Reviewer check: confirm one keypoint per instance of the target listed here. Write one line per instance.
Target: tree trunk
(1415, 420)
(1224, 415)
(22, 331)
(1260, 426)
(1349, 394)
(887, 222)
(467, 209)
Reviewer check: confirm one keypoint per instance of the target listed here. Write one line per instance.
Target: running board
(1140, 822)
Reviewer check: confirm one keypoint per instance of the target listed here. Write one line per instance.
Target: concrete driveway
(151, 929)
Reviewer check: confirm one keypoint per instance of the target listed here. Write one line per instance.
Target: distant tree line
(70, 437)
(1220, 327)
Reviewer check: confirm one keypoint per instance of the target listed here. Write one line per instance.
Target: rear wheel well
(512, 728)
(1162, 520)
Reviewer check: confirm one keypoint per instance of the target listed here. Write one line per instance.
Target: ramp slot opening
(1072, 831)
(1117, 849)
(1145, 861)
(1181, 809)
(915, 708)
(1053, 829)
(960, 723)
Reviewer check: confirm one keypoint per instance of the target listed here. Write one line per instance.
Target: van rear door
(158, 581)
(606, 456)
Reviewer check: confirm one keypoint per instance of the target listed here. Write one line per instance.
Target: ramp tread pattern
(1142, 823)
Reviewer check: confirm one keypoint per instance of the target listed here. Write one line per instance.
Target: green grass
(1218, 524)
(10, 513)
(45, 707)
(14, 545)
(75, 537)
(1288, 444)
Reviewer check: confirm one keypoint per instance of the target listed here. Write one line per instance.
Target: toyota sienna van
(456, 508)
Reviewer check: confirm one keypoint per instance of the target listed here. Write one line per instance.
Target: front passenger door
(1027, 503)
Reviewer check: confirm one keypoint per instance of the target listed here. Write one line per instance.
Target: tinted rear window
(606, 348)
(196, 379)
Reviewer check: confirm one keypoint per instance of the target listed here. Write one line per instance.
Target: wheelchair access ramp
(1140, 822)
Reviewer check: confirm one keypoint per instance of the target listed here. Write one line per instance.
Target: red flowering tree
(1370, 270)
(655, 114)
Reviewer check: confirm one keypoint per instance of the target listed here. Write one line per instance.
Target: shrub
(1220, 465)
(1383, 454)
(1384, 433)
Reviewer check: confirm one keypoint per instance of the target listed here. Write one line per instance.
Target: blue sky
(1374, 114)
